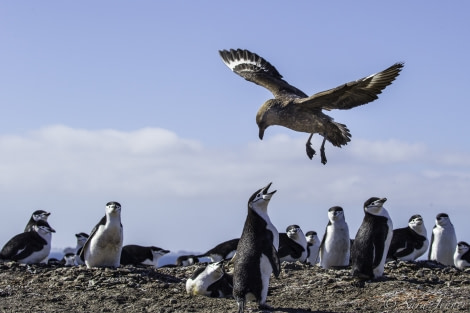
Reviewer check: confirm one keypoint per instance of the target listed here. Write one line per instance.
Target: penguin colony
(256, 256)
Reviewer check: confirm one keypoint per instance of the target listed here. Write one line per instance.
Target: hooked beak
(261, 132)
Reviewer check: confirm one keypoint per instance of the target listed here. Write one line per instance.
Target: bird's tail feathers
(338, 134)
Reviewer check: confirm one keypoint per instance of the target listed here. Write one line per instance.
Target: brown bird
(293, 109)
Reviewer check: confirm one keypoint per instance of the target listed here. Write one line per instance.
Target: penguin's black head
(43, 227)
(335, 212)
(311, 233)
(374, 205)
(261, 195)
(293, 228)
(113, 207)
(463, 247)
(40, 215)
(415, 217)
(442, 219)
(159, 250)
(82, 235)
(415, 220)
(441, 215)
(292, 231)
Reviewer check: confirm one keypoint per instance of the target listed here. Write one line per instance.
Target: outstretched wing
(354, 93)
(255, 69)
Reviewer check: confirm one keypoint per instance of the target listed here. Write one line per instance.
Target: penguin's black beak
(383, 200)
(265, 189)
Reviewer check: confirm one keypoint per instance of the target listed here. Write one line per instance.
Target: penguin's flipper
(379, 247)
(274, 260)
(93, 231)
(403, 252)
(430, 244)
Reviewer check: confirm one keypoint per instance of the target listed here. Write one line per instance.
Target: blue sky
(130, 101)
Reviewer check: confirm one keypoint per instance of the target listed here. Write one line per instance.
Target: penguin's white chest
(443, 246)
(336, 248)
(379, 270)
(199, 285)
(105, 247)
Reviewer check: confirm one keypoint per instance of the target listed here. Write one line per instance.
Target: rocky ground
(406, 287)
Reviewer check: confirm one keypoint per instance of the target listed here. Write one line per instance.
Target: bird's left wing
(255, 69)
(354, 93)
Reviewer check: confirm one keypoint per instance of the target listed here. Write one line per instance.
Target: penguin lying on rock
(211, 281)
(139, 255)
(29, 247)
(223, 251)
(292, 245)
(409, 243)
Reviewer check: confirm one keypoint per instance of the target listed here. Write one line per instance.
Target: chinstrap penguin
(81, 239)
(335, 246)
(29, 247)
(292, 245)
(294, 109)
(222, 251)
(370, 247)
(38, 215)
(313, 247)
(409, 243)
(104, 245)
(187, 260)
(256, 257)
(462, 255)
(210, 281)
(139, 255)
(69, 259)
(443, 241)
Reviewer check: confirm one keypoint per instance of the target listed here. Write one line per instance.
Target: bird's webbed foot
(310, 151)
(322, 152)
(264, 307)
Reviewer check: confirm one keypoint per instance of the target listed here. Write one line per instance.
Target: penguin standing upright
(409, 243)
(292, 245)
(38, 215)
(443, 241)
(313, 247)
(370, 247)
(336, 243)
(462, 255)
(103, 247)
(256, 258)
(29, 247)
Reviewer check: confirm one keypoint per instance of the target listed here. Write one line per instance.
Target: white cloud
(180, 192)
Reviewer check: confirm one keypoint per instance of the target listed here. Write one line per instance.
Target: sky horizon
(130, 102)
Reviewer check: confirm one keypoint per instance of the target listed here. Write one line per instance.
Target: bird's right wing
(255, 69)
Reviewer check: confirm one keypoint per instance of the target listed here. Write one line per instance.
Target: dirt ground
(406, 287)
